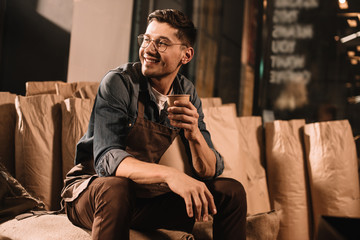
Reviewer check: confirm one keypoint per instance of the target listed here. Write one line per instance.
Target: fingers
(183, 107)
(189, 206)
(186, 104)
(182, 111)
(197, 197)
(202, 201)
(183, 122)
(211, 202)
(197, 207)
(205, 212)
(184, 115)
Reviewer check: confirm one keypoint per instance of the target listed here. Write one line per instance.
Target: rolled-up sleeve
(111, 124)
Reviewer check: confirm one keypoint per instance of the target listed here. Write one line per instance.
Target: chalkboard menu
(290, 31)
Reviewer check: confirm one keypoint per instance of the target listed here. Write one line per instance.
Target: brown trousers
(110, 208)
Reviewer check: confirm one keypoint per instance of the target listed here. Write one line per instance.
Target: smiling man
(117, 183)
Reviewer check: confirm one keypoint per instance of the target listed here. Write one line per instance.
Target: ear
(189, 54)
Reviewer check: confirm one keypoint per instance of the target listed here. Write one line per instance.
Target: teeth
(150, 60)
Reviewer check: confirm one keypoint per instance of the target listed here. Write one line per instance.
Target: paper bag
(68, 90)
(221, 123)
(40, 87)
(38, 147)
(176, 157)
(287, 178)
(333, 169)
(211, 102)
(87, 92)
(75, 120)
(251, 142)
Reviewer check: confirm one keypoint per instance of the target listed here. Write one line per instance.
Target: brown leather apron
(146, 141)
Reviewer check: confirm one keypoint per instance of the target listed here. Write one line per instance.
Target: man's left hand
(184, 115)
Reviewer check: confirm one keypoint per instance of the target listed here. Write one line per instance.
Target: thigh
(166, 211)
(105, 194)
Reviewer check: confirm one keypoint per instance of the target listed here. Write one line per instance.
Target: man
(130, 128)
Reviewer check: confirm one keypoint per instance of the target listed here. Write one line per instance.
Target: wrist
(169, 173)
(194, 136)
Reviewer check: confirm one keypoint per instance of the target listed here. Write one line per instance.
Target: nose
(151, 47)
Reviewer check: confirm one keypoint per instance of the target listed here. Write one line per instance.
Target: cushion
(58, 227)
(38, 147)
(332, 169)
(7, 129)
(263, 226)
(287, 178)
(14, 199)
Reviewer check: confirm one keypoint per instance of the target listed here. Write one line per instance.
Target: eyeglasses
(160, 44)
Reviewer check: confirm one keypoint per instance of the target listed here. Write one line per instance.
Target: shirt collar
(176, 86)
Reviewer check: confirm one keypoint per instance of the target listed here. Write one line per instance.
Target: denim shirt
(115, 112)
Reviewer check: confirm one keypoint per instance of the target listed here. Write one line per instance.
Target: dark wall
(227, 85)
(33, 48)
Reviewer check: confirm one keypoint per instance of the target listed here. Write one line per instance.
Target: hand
(196, 195)
(184, 115)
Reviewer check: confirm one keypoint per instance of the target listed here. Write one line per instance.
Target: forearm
(203, 158)
(143, 172)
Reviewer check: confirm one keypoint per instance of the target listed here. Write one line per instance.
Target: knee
(114, 202)
(231, 192)
(115, 189)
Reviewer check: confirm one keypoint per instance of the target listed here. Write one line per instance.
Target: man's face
(160, 65)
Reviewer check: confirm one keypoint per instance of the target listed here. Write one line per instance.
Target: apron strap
(141, 107)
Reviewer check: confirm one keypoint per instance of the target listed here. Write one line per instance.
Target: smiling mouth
(151, 60)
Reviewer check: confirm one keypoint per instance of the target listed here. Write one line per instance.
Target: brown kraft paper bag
(87, 92)
(287, 178)
(40, 87)
(38, 147)
(69, 90)
(251, 142)
(75, 120)
(221, 123)
(333, 169)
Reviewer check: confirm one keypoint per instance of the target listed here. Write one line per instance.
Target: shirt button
(102, 172)
(130, 124)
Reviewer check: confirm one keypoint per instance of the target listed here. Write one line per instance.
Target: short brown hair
(178, 20)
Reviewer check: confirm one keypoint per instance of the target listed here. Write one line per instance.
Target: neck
(161, 86)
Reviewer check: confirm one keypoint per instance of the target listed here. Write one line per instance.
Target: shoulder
(127, 73)
(186, 86)
(119, 84)
(124, 77)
